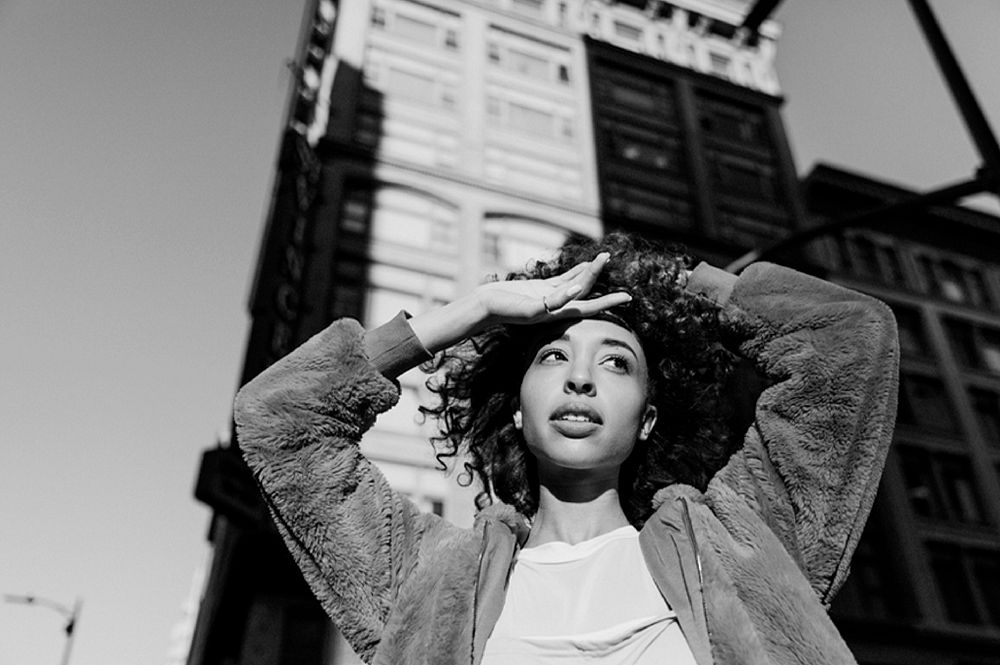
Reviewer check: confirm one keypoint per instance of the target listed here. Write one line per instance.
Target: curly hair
(477, 382)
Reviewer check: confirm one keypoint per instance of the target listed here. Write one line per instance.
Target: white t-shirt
(593, 601)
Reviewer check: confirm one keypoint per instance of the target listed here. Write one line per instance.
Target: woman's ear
(648, 422)
(517, 419)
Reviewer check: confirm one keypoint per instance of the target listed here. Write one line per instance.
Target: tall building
(925, 585)
(429, 143)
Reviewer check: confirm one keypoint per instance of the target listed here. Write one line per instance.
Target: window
(719, 64)
(412, 86)
(348, 300)
(529, 120)
(951, 282)
(529, 65)
(986, 404)
(627, 31)
(619, 92)
(892, 270)
(986, 572)
(533, 6)
(967, 580)
(873, 589)
(953, 583)
(511, 243)
(645, 149)
(653, 207)
(400, 216)
(941, 486)
(963, 284)
(418, 23)
(415, 29)
(722, 120)
(865, 258)
(912, 339)
(924, 403)
(743, 178)
(974, 347)
(528, 58)
(869, 259)
(553, 122)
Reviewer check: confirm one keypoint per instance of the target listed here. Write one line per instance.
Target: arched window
(511, 242)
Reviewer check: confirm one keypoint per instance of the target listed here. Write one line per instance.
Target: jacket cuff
(713, 283)
(393, 348)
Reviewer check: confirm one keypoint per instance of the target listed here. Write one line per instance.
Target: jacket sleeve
(811, 461)
(298, 425)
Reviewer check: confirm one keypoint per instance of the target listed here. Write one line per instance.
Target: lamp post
(70, 614)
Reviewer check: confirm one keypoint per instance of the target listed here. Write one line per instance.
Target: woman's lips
(575, 429)
(576, 419)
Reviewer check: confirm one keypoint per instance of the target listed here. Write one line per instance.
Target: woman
(589, 407)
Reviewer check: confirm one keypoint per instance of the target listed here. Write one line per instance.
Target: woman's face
(583, 397)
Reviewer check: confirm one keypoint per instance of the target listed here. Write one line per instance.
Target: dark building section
(925, 583)
(689, 157)
(256, 608)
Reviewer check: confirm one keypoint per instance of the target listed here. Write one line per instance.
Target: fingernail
(604, 255)
(573, 290)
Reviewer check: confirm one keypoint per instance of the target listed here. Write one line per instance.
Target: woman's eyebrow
(618, 343)
(607, 341)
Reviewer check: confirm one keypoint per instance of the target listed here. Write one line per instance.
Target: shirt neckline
(559, 552)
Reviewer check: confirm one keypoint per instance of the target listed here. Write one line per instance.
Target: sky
(137, 149)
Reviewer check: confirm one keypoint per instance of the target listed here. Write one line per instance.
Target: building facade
(430, 143)
(925, 581)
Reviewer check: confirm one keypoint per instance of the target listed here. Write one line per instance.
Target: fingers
(585, 308)
(573, 272)
(576, 282)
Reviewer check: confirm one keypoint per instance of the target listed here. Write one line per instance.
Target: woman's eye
(618, 363)
(551, 355)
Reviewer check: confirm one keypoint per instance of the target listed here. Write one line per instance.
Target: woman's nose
(580, 381)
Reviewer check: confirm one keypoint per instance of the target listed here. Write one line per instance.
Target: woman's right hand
(517, 302)
(540, 300)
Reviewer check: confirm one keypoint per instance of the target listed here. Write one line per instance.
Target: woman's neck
(572, 512)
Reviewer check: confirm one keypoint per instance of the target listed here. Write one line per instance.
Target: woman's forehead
(592, 330)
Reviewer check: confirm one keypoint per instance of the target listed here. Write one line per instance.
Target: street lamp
(70, 614)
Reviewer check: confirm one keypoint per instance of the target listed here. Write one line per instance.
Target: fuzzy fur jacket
(749, 565)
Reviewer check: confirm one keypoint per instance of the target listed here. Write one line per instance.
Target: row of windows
(965, 579)
(722, 120)
(399, 217)
(974, 346)
(924, 405)
(528, 58)
(954, 279)
(530, 119)
(419, 24)
(941, 486)
(968, 580)
(645, 156)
